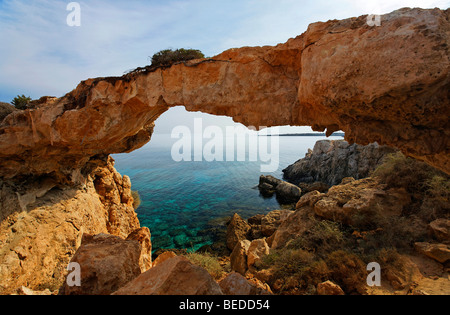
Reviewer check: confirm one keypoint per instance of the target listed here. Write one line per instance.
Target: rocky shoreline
(63, 202)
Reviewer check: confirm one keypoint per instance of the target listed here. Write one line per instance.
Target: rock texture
(332, 161)
(107, 263)
(236, 284)
(387, 84)
(175, 276)
(42, 224)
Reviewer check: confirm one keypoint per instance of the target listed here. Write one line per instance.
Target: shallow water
(185, 204)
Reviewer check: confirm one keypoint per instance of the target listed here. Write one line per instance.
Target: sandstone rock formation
(329, 288)
(237, 230)
(387, 84)
(175, 276)
(332, 161)
(107, 263)
(43, 221)
(236, 284)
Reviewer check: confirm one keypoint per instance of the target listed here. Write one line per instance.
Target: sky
(40, 54)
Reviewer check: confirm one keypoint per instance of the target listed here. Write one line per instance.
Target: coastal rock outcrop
(43, 221)
(387, 84)
(175, 276)
(332, 161)
(106, 262)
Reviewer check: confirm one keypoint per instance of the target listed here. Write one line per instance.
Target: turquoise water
(186, 204)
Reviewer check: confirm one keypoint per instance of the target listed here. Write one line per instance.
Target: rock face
(107, 263)
(236, 284)
(175, 276)
(237, 230)
(332, 161)
(387, 84)
(42, 223)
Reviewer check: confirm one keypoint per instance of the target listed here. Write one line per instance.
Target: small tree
(21, 101)
(168, 57)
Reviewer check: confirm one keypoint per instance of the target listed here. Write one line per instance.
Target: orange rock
(386, 84)
(175, 276)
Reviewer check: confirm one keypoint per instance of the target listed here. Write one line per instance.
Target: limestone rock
(257, 250)
(329, 288)
(343, 202)
(143, 236)
(441, 229)
(288, 193)
(37, 244)
(237, 230)
(332, 161)
(309, 199)
(294, 225)
(163, 257)
(438, 252)
(238, 257)
(271, 221)
(175, 276)
(107, 263)
(236, 284)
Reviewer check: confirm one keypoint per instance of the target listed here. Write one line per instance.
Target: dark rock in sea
(286, 193)
(332, 161)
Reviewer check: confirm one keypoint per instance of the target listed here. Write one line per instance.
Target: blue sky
(41, 55)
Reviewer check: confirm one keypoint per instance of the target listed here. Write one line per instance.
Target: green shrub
(168, 57)
(322, 238)
(21, 101)
(136, 199)
(208, 261)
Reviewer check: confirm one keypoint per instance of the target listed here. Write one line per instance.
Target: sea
(186, 204)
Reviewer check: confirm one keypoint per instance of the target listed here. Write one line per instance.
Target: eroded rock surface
(387, 84)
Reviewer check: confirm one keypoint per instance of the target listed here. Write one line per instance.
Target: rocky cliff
(331, 161)
(42, 223)
(388, 84)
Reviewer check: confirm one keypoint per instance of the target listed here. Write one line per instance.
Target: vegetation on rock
(21, 101)
(168, 57)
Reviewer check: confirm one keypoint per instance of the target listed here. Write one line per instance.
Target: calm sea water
(186, 204)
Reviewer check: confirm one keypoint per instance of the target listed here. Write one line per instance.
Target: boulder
(329, 288)
(107, 263)
(163, 257)
(438, 252)
(143, 236)
(271, 221)
(288, 193)
(257, 250)
(440, 229)
(309, 199)
(175, 276)
(237, 230)
(238, 257)
(236, 284)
